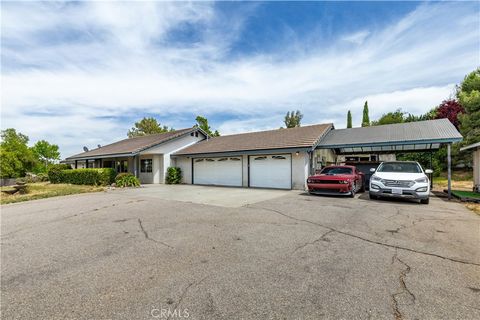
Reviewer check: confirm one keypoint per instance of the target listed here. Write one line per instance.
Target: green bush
(126, 180)
(102, 177)
(174, 175)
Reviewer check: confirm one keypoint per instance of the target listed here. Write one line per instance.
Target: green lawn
(46, 190)
(466, 194)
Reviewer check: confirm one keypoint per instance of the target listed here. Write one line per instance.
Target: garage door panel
(271, 171)
(226, 171)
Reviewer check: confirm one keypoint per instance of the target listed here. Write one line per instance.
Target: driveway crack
(403, 286)
(185, 291)
(322, 238)
(145, 233)
(368, 240)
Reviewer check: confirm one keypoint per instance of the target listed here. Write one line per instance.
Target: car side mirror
(372, 170)
(429, 171)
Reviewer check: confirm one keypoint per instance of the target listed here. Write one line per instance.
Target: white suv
(401, 179)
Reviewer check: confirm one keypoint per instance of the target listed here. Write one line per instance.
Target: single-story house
(281, 158)
(476, 164)
(147, 157)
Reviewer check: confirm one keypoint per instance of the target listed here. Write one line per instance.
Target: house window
(146, 165)
(279, 157)
(108, 164)
(261, 158)
(222, 159)
(198, 160)
(122, 166)
(235, 159)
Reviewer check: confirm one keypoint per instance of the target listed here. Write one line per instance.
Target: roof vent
(85, 149)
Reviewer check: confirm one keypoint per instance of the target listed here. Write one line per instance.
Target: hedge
(104, 176)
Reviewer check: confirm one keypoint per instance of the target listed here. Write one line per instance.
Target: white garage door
(272, 171)
(225, 171)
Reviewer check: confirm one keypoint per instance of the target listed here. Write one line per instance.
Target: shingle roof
(430, 130)
(133, 145)
(299, 137)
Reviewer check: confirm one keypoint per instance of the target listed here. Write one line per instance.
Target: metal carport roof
(400, 137)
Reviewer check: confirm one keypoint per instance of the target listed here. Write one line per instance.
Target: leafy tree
(147, 126)
(293, 119)
(16, 158)
(365, 118)
(389, 118)
(450, 109)
(349, 119)
(468, 94)
(202, 123)
(46, 152)
(430, 115)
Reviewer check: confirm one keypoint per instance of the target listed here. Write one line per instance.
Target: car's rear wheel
(425, 201)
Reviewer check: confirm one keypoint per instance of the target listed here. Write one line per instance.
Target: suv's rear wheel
(425, 201)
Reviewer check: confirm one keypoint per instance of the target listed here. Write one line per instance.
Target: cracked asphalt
(154, 253)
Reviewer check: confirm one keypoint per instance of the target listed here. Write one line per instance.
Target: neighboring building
(147, 157)
(282, 158)
(476, 164)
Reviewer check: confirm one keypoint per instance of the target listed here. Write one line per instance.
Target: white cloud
(357, 37)
(128, 66)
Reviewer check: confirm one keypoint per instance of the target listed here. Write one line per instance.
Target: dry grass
(475, 207)
(46, 190)
(461, 180)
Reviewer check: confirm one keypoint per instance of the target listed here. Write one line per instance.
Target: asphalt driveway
(177, 251)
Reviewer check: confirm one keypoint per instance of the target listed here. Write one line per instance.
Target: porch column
(431, 168)
(135, 168)
(76, 164)
(86, 163)
(449, 168)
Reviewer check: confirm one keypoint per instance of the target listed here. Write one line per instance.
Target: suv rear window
(407, 167)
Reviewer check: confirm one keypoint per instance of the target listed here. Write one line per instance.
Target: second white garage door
(226, 171)
(272, 171)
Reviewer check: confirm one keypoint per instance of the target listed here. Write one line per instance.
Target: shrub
(122, 174)
(103, 176)
(174, 175)
(126, 180)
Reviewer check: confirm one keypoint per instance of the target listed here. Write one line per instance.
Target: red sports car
(346, 180)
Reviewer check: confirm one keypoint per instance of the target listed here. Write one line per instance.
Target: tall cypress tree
(349, 119)
(366, 118)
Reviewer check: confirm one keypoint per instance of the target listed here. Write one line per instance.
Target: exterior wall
(166, 150)
(185, 164)
(245, 171)
(146, 177)
(300, 170)
(476, 167)
(387, 157)
(157, 168)
(322, 158)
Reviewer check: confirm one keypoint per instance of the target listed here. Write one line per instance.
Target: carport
(395, 138)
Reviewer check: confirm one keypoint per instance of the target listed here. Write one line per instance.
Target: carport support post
(449, 168)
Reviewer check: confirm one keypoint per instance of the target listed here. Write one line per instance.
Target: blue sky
(81, 73)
